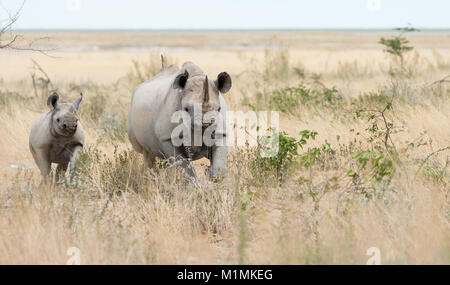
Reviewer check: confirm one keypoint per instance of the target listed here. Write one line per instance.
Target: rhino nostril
(64, 126)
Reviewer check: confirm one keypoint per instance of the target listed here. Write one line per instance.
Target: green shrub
(287, 151)
(317, 155)
(374, 168)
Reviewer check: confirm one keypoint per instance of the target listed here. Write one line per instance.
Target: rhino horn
(206, 91)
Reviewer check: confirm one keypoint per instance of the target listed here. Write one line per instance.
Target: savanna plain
(363, 160)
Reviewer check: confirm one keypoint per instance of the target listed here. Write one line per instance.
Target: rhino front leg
(218, 160)
(168, 151)
(43, 164)
(149, 158)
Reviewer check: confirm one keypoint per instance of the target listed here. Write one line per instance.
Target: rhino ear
(223, 82)
(180, 80)
(52, 101)
(76, 104)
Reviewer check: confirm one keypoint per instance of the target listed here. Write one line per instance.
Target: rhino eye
(57, 120)
(186, 109)
(218, 110)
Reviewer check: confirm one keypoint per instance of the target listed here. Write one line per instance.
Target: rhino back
(148, 105)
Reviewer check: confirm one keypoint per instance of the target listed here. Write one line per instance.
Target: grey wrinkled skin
(172, 89)
(57, 136)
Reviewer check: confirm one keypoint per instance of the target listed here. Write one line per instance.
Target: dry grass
(121, 212)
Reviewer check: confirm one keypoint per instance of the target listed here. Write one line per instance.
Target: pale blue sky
(229, 14)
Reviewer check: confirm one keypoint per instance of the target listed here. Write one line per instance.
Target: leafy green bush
(375, 168)
(317, 155)
(287, 152)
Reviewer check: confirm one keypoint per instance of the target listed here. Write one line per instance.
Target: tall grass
(340, 194)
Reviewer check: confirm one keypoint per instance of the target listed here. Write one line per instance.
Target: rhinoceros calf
(57, 136)
(186, 89)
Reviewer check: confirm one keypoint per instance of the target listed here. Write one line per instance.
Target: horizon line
(219, 29)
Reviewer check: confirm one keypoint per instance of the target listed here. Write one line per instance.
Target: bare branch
(44, 83)
(428, 157)
(12, 19)
(10, 44)
(446, 79)
(13, 41)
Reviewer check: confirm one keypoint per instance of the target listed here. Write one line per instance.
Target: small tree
(398, 45)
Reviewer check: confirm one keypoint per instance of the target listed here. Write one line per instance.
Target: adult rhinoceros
(153, 131)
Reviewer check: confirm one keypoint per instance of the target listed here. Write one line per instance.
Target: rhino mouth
(68, 131)
(189, 152)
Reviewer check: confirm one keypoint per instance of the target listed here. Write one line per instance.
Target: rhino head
(200, 100)
(200, 95)
(64, 119)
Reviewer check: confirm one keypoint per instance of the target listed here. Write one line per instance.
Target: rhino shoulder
(40, 130)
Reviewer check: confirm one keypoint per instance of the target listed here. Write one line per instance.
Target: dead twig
(10, 43)
(42, 70)
(43, 82)
(446, 79)
(428, 157)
